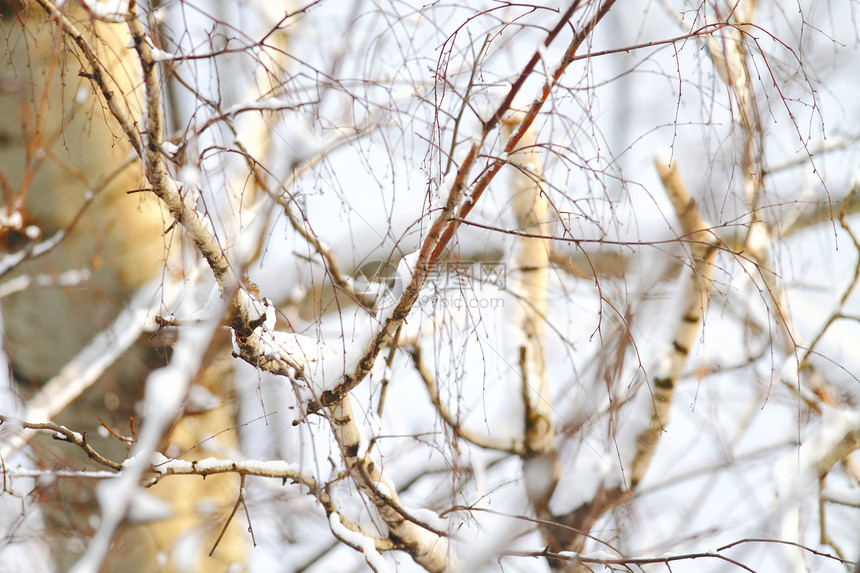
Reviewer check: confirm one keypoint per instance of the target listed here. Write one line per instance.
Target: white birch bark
(427, 547)
(529, 266)
(702, 247)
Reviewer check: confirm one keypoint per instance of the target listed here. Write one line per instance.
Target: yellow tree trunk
(65, 166)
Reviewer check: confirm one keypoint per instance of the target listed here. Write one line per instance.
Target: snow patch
(169, 148)
(663, 156)
(159, 55)
(368, 547)
(539, 477)
(145, 507)
(109, 10)
(82, 95)
(842, 495)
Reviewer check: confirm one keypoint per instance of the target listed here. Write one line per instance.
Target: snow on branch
(358, 541)
(163, 466)
(108, 11)
(427, 546)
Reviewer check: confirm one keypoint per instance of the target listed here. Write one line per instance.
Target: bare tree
(454, 288)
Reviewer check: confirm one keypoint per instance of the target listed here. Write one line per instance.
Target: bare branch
(64, 434)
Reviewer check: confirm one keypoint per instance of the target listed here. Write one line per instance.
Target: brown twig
(64, 434)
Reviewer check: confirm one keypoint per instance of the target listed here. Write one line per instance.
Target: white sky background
(714, 478)
(725, 468)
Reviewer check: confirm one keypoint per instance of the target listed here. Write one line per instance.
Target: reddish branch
(446, 224)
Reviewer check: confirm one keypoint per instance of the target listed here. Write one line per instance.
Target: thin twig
(64, 434)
